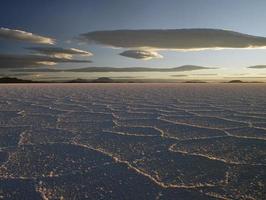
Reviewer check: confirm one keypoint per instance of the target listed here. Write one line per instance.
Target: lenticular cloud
(175, 39)
(140, 54)
(13, 34)
(24, 61)
(59, 52)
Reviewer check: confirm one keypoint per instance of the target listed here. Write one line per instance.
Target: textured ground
(133, 141)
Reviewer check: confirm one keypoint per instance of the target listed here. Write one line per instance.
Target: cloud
(24, 61)
(251, 77)
(59, 52)
(140, 54)
(257, 67)
(174, 39)
(12, 34)
(191, 68)
(37, 70)
(17, 74)
(179, 75)
(140, 69)
(204, 74)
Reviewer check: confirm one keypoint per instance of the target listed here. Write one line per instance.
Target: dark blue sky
(65, 19)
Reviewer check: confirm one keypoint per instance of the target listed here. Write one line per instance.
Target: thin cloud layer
(204, 74)
(191, 68)
(59, 52)
(258, 67)
(140, 54)
(140, 69)
(24, 61)
(175, 39)
(41, 69)
(179, 75)
(13, 34)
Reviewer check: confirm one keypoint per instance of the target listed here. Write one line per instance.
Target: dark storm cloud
(175, 39)
(59, 52)
(24, 61)
(12, 34)
(258, 67)
(140, 54)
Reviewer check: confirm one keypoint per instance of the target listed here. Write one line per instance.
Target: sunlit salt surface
(133, 141)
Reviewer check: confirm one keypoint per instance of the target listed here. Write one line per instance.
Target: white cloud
(141, 54)
(13, 34)
(58, 52)
(24, 61)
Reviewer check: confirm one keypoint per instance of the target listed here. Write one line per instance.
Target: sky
(226, 37)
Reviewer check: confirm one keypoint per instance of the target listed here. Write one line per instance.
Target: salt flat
(133, 141)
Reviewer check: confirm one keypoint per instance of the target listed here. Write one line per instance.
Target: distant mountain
(14, 80)
(17, 80)
(195, 81)
(103, 80)
(79, 80)
(139, 69)
(98, 80)
(239, 81)
(235, 81)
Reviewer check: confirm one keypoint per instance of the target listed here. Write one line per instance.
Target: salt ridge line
(192, 125)
(212, 158)
(212, 128)
(237, 113)
(161, 184)
(163, 135)
(176, 122)
(10, 176)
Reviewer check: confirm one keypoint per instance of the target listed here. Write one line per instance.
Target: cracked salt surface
(132, 141)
